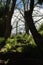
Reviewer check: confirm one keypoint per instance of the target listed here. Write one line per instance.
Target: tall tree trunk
(8, 19)
(26, 23)
(26, 27)
(28, 17)
(8, 16)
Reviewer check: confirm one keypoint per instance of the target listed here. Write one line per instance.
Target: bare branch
(38, 20)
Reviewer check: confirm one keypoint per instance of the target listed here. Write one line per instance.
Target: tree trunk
(37, 37)
(28, 17)
(8, 19)
(8, 28)
(8, 16)
(26, 27)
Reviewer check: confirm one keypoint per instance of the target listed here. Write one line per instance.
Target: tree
(7, 14)
(25, 4)
(28, 17)
(2, 22)
(8, 18)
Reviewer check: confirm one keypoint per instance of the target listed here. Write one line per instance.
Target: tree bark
(26, 27)
(28, 17)
(8, 17)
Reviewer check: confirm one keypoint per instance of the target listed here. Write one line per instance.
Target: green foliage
(17, 43)
(21, 43)
(41, 29)
(27, 45)
(41, 32)
(1, 39)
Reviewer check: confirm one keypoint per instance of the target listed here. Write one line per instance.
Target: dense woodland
(18, 48)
